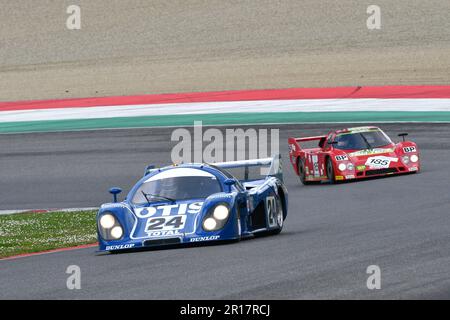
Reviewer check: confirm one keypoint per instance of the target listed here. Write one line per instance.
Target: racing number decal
(271, 206)
(165, 223)
(156, 223)
(380, 162)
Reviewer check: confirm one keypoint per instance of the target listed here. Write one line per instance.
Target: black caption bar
(212, 309)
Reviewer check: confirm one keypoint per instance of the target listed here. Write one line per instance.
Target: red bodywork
(311, 163)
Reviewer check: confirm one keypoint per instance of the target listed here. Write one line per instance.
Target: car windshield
(362, 140)
(177, 184)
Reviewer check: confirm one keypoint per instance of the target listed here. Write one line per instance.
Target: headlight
(109, 227)
(350, 166)
(209, 224)
(216, 218)
(414, 158)
(342, 166)
(107, 221)
(405, 159)
(220, 212)
(117, 232)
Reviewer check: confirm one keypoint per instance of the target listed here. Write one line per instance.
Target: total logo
(164, 233)
(168, 210)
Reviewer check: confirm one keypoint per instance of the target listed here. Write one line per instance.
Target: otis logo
(169, 210)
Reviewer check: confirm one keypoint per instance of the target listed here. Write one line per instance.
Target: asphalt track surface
(143, 47)
(332, 233)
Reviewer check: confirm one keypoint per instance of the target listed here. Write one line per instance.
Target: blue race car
(191, 203)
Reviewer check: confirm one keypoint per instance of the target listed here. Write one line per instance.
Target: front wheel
(330, 171)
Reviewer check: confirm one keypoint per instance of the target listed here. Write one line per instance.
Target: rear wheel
(279, 217)
(330, 171)
(302, 171)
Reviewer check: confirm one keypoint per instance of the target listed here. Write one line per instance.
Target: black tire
(279, 217)
(280, 222)
(301, 171)
(330, 171)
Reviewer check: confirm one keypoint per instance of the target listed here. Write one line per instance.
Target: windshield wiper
(156, 196)
(365, 140)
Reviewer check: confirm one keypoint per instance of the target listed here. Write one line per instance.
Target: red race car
(352, 153)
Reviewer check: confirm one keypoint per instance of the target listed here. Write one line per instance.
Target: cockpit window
(361, 140)
(177, 184)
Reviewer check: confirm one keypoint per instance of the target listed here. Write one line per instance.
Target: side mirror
(229, 182)
(403, 135)
(115, 191)
(148, 169)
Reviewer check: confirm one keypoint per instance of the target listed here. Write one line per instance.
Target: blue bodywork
(255, 207)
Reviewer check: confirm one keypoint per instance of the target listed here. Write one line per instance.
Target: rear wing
(295, 143)
(268, 167)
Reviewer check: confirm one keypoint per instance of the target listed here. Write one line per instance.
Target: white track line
(306, 105)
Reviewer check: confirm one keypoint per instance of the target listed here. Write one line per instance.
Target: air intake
(161, 242)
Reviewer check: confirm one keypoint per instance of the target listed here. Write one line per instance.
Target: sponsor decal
(271, 209)
(222, 195)
(380, 162)
(370, 152)
(413, 169)
(164, 233)
(361, 129)
(339, 177)
(341, 158)
(409, 149)
(208, 238)
(167, 220)
(113, 205)
(120, 246)
(291, 148)
(360, 168)
(168, 210)
(315, 162)
(351, 176)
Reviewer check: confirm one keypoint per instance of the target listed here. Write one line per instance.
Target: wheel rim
(279, 215)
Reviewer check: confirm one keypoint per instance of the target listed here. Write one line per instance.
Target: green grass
(33, 232)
